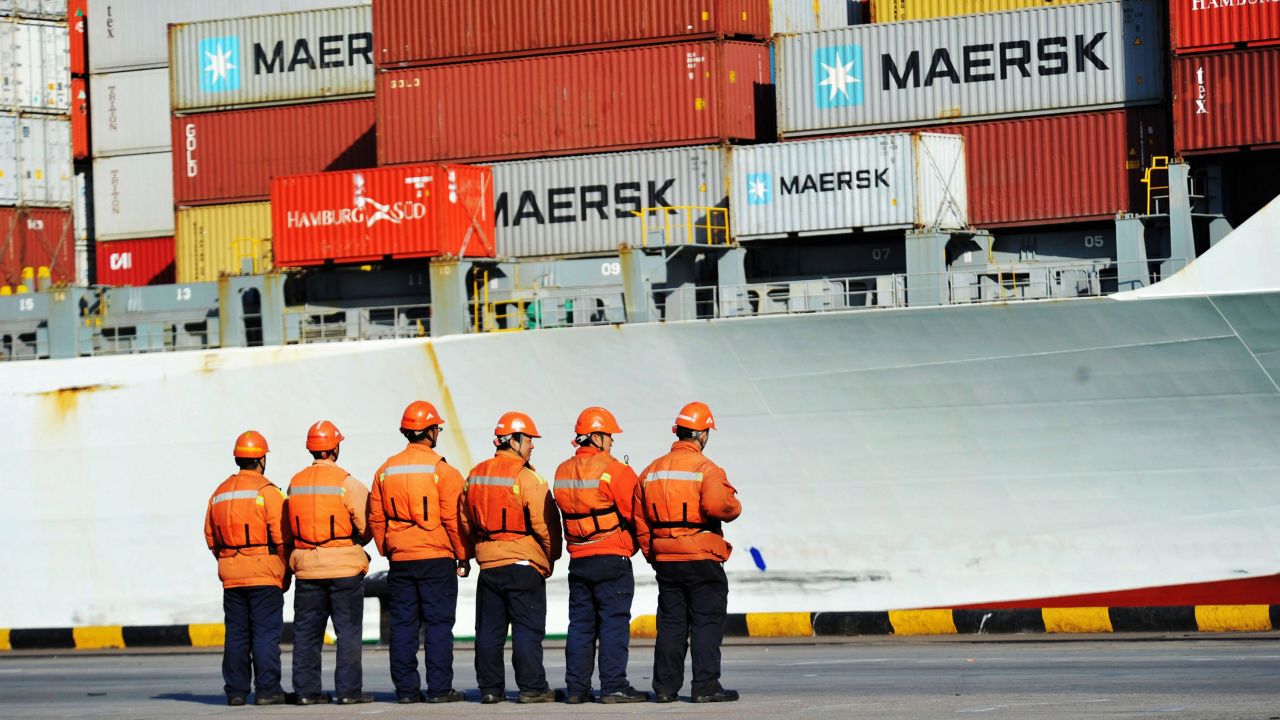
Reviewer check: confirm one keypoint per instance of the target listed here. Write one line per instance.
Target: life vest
(410, 496)
(317, 515)
(237, 513)
(493, 499)
(589, 515)
(672, 494)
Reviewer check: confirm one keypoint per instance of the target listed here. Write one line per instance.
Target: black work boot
(446, 697)
(535, 696)
(359, 699)
(659, 697)
(625, 695)
(235, 700)
(577, 697)
(491, 698)
(410, 699)
(321, 699)
(720, 695)
(276, 699)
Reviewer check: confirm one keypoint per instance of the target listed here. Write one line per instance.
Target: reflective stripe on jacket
(681, 501)
(318, 517)
(243, 530)
(413, 507)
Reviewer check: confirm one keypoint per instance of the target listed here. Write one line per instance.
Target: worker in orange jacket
(413, 513)
(243, 530)
(327, 514)
(512, 521)
(682, 500)
(594, 493)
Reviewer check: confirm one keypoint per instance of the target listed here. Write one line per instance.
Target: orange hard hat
(251, 445)
(515, 422)
(596, 420)
(420, 415)
(695, 416)
(323, 436)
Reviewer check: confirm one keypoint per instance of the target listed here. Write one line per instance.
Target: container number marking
(26, 304)
(880, 253)
(1095, 241)
(184, 294)
(611, 268)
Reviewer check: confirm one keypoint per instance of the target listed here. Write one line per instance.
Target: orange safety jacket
(589, 514)
(674, 494)
(414, 507)
(493, 499)
(317, 515)
(242, 528)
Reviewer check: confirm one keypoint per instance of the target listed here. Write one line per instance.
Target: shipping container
(133, 196)
(868, 182)
(412, 32)
(1028, 62)
(898, 10)
(272, 59)
(372, 215)
(37, 63)
(1226, 101)
(131, 112)
(1211, 25)
(77, 36)
(587, 204)
(797, 16)
(222, 240)
(44, 9)
(35, 160)
(232, 156)
(1020, 175)
(36, 237)
(664, 95)
(133, 35)
(79, 119)
(143, 261)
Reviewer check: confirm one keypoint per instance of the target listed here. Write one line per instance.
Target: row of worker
(430, 524)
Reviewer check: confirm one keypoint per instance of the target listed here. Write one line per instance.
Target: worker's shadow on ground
(218, 699)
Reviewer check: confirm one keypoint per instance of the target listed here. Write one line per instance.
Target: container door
(8, 160)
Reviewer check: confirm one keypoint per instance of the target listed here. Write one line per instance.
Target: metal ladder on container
(485, 315)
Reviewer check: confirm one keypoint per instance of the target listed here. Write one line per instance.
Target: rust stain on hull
(452, 424)
(64, 401)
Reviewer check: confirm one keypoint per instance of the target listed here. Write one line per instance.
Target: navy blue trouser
(254, 621)
(422, 592)
(514, 595)
(600, 593)
(314, 603)
(692, 600)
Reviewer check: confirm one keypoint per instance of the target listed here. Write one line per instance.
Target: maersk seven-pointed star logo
(220, 64)
(837, 73)
(759, 188)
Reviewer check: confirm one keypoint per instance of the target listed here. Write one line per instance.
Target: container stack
(1226, 92)
(133, 188)
(587, 110)
(1058, 104)
(37, 239)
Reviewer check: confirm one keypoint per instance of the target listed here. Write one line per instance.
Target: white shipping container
(35, 161)
(1044, 60)
(36, 60)
(584, 205)
(82, 220)
(284, 58)
(797, 16)
(130, 112)
(49, 9)
(133, 196)
(869, 182)
(133, 34)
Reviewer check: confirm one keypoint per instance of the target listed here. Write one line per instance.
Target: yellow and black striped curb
(1190, 618)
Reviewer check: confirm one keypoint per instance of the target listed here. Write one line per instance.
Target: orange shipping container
(373, 215)
(413, 32)
(659, 96)
(1226, 101)
(79, 118)
(1209, 25)
(36, 237)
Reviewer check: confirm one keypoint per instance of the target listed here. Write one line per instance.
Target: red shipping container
(36, 237)
(227, 157)
(78, 32)
(412, 32)
(370, 215)
(79, 118)
(1226, 101)
(143, 261)
(663, 95)
(1059, 168)
(1208, 25)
